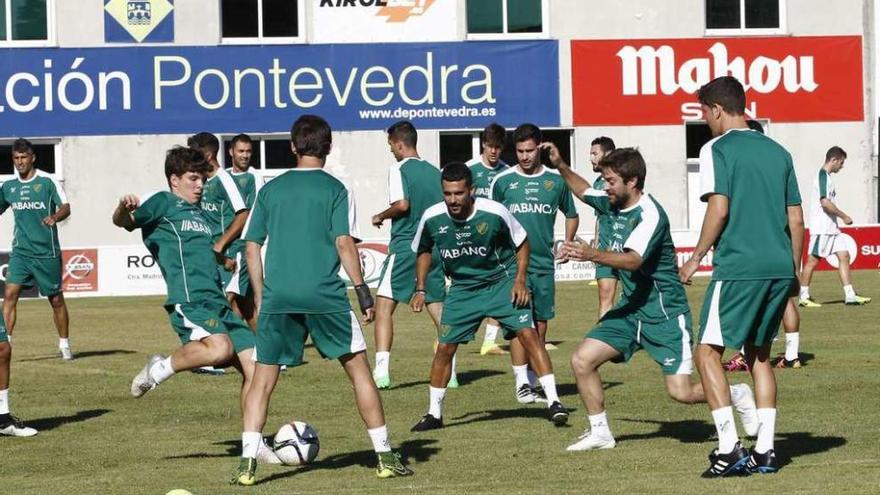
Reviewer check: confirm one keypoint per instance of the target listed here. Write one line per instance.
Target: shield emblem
(549, 185)
(482, 228)
(38, 187)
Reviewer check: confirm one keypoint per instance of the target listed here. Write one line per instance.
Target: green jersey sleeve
(397, 190)
(792, 193)
(647, 238)
(151, 210)
(823, 183)
(566, 203)
(714, 176)
(256, 229)
(4, 204)
(57, 194)
(343, 220)
(423, 242)
(496, 193)
(597, 199)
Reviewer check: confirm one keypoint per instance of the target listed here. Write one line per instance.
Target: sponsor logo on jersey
(462, 235)
(442, 229)
(212, 207)
(483, 191)
(12, 189)
(482, 228)
(194, 226)
(531, 190)
(453, 253)
(514, 185)
(28, 205)
(542, 208)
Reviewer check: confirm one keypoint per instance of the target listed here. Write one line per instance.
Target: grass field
(96, 439)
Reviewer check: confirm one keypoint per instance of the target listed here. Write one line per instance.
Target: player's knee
(57, 301)
(842, 256)
(5, 352)
(581, 363)
(220, 349)
(446, 351)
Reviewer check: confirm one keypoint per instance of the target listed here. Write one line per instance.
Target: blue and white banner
(225, 89)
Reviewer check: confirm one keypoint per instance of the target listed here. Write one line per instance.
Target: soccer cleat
(558, 414)
(590, 441)
(550, 347)
(762, 463)
(737, 363)
(11, 426)
(540, 396)
(246, 474)
(807, 302)
(782, 363)
(856, 301)
(453, 382)
(492, 349)
(730, 464)
(66, 353)
(265, 455)
(390, 466)
(744, 402)
(382, 382)
(428, 422)
(525, 395)
(142, 382)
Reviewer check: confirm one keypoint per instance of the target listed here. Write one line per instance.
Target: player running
(606, 278)
(534, 194)
(300, 294)
(485, 252)
(653, 312)
(38, 203)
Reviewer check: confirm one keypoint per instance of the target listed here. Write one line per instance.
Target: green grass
(96, 439)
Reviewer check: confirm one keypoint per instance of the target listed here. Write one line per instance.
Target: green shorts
(199, 320)
(3, 336)
(603, 271)
(466, 308)
(281, 338)
(45, 273)
(397, 280)
(739, 311)
(668, 342)
(237, 281)
(543, 288)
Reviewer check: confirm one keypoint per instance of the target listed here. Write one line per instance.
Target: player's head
(834, 158)
(241, 148)
(205, 142)
(492, 138)
(720, 96)
(186, 170)
(311, 136)
(23, 156)
(458, 189)
(527, 138)
(600, 147)
(402, 139)
(624, 173)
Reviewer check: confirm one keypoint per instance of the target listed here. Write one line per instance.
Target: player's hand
(365, 301)
(520, 296)
(369, 315)
(552, 153)
(49, 221)
(578, 251)
(130, 202)
(560, 256)
(229, 264)
(417, 302)
(220, 258)
(377, 221)
(687, 270)
(847, 220)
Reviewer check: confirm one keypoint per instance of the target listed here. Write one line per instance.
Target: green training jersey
(822, 222)
(756, 175)
(534, 201)
(178, 236)
(482, 176)
(601, 218)
(248, 183)
(301, 213)
(221, 200)
(653, 293)
(32, 201)
(477, 251)
(418, 182)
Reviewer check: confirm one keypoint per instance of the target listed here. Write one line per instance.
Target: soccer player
(413, 186)
(484, 168)
(486, 254)
(754, 220)
(534, 194)
(38, 203)
(653, 312)
(301, 294)
(825, 238)
(9, 424)
(249, 183)
(606, 279)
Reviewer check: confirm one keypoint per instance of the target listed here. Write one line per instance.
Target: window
(263, 21)
(465, 145)
(26, 22)
(271, 155)
(725, 17)
(511, 18)
(48, 158)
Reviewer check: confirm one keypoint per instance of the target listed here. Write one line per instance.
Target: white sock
(521, 375)
(726, 427)
(250, 443)
(379, 436)
(162, 370)
(849, 292)
(805, 292)
(454, 361)
(4, 401)
(599, 424)
(792, 342)
(491, 334)
(9, 338)
(63, 343)
(533, 378)
(548, 381)
(382, 359)
(435, 404)
(766, 430)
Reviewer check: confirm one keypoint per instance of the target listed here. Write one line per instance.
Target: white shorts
(824, 245)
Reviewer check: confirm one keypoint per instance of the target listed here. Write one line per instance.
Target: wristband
(365, 299)
(420, 291)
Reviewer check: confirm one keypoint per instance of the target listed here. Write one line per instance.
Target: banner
(654, 81)
(169, 90)
(79, 270)
(383, 21)
(863, 244)
(129, 271)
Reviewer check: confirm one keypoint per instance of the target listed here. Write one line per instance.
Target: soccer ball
(296, 443)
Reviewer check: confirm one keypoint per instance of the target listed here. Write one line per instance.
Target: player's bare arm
(122, 216)
(582, 251)
(571, 227)
(351, 263)
(520, 293)
(397, 209)
(713, 223)
(232, 233)
(832, 209)
(423, 265)
(60, 214)
(796, 228)
(253, 254)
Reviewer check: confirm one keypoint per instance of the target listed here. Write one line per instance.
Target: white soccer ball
(296, 443)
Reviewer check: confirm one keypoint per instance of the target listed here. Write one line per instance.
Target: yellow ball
(179, 491)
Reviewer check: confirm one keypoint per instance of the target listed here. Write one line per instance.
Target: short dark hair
(404, 132)
(627, 163)
(525, 132)
(311, 136)
(493, 134)
(204, 142)
(180, 160)
(605, 142)
(835, 152)
(244, 138)
(755, 125)
(725, 91)
(456, 171)
(22, 145)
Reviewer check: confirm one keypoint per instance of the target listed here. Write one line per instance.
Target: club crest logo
(38, 187)
(482, 228)
(549, 185)
(211, 323)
